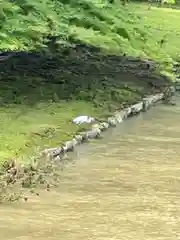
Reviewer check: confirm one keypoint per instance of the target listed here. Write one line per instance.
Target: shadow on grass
(79, 73)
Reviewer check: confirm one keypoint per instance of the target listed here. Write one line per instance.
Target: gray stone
(118, 117)
(69, 145)
(112, 121)
(137, 107)
(127, 112)
(145, 105)
(100, 127)
(133, 112)
(104, 126)
(123, 114)
(75, 142)
(94, 133)
(155, 98)
(78, 138)
(57, 152)
(84, 136)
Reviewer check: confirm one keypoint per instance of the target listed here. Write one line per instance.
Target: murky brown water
(125, 187)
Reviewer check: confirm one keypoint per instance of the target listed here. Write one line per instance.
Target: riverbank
(17, 181)
(58, 154)
(41, 96)
(133, 171)
(46, 106)
(103, 70)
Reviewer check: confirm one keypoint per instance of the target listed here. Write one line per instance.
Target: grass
(136, 31)
(162, 23)
(39, 98)
(23, 129)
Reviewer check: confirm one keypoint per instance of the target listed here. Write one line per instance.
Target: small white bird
(83, 119)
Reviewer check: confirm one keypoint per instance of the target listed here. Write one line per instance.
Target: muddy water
(126, 186)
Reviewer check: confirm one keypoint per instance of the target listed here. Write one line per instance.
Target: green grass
(25, 129)
(133, 30)
(37, 110)
(162, 23)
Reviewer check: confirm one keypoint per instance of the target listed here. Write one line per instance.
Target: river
(125, 186)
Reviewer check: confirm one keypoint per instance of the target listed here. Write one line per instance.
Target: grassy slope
(38, 117)
(162, 23)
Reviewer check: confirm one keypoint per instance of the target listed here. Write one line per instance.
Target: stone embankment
(144, 71)
(96, 129)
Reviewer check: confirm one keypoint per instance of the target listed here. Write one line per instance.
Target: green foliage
(25, 25)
